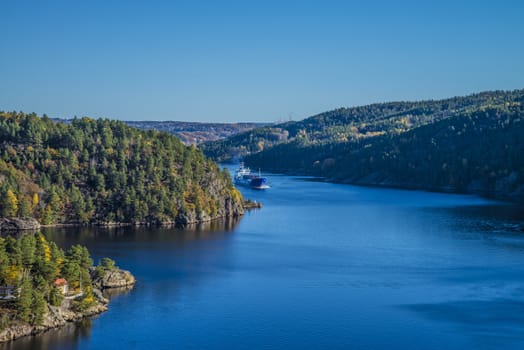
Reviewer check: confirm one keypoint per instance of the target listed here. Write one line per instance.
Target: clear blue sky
(250, 60)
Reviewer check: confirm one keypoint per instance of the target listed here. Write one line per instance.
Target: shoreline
(14, 224)
(59, 316)
(20, 223)
(55, 318)
(486, 194)
(140, 224)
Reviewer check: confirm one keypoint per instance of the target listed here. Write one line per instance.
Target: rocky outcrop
(112, 278)
(18, 224)
(249, 204)
(58, 316)
(228, 200)
(15, 330)
(54, 317)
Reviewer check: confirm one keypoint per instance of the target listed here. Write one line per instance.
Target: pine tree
(28, 248)
(24, 210)
(38, 307)
(25, 301)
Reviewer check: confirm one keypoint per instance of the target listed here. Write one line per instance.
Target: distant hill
(195, 133)
(462, 144)
(190, 133)
(103, 171)
(352, 124)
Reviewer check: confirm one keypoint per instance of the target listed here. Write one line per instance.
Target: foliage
(108, 264)
(84, 303)
(24, 301)
(37, 264)
(354, 125)
(466, 144)
(55, 297)
(90, 171)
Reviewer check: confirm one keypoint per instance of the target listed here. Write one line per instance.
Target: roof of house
(61, 282)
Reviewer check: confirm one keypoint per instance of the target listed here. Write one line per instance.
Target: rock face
(18, 224)
(114, 278)
(15, 331)
(55, 317)
(228, 203)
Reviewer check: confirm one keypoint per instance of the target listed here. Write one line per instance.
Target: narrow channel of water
(321, 266)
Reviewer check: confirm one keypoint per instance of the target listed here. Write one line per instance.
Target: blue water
(321, 266)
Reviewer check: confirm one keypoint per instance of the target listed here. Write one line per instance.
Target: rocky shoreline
(18, 224)
(55, 317)
(59, 316)
(113, 278)
(249, 204)
(228, 208)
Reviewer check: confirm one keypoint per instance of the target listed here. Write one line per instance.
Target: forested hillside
(465, 144)
(102, 171)
(354, 125)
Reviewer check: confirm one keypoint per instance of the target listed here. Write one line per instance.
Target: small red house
(62, 285)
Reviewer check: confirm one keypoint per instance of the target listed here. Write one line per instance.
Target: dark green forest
(464, 144)
(354, 124)
(103, 171)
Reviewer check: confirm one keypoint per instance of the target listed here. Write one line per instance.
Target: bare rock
(18, 224)
(14, 331)
(115, 278)
(54, 317)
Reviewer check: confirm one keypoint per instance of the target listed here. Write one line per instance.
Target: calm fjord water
(321, 266)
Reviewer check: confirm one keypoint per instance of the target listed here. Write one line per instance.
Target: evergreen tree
(38, 307)
(25, 301)
(27, 249)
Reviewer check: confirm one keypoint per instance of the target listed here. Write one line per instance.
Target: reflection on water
(133, 243)
(111, 293)
(66, 337)
(504, 213)
(498, 225)
(65, 236)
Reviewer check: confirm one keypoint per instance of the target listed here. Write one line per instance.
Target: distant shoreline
(503, 197)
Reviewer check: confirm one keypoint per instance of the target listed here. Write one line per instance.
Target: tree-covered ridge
(195, 132)
(478, 150)
(104, 171)
(30, 267)
(355, 124)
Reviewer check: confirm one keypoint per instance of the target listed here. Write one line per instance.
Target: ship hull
(243, 177)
